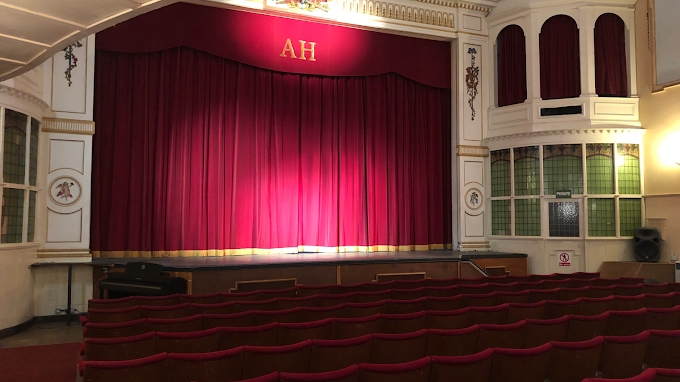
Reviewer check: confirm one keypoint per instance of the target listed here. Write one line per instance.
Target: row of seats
(649, 375)
(456, 305)
(555, 361)
(413, 331)
(302, 291)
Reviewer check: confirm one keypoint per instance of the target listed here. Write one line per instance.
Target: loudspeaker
(647, 244)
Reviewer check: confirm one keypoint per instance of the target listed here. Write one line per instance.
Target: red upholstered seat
(182, 324)
(326, 300)
(593, 306)
(229, 307)
(441, 291)
(113, 315)
(239, 296)
(445, 303)
(556, 283)
(208, 298)
(626, 323)
(607, 282)
(469, 368)
(290, 333)
(201, 341)
(475, 281)
(261, 335)
(112, 303)
(555, 309)
(578, 282)
(496, 315)
(396, 348)
(297, 302)
(448, 319)
(311, 290)
(121, 348)
(629, 290)
(658, 345)
(530, 284)
(348, 374)
(536, 295)
(648, 375)
(402, 323)
(406, 306)
(344, 328)
(574, 361)
(307, 314)
(410, 284)
(381, 286)
(631, 280)
(667, 375)
(484, 299)
(352, 310)
(168, 300)
(407, 294)
(329, 355)
(521, 297)
(116, 329)
(271, 377)
(166, 311)
(501, 336)
(597, 291)
(217, 366)
(623, 356)
(573, 293)
(274, 293)
(629, 302)
(415, 371)
(666, 300)
(440, 282)
(233, 319)
(482, 288)
(262, 317)
(662, 288)
(663, 318)
(539, 332)
(148, 369)
(457, 342)
(261, 360)
(586, 275)
(520, 365)
(582, 328)
(519, 278)
(372, 296)
(264, 305)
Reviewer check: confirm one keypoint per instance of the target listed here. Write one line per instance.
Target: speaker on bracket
(647, 244)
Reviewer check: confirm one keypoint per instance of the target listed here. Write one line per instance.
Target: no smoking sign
(564, 260)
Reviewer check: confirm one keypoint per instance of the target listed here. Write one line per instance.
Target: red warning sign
(564, 259)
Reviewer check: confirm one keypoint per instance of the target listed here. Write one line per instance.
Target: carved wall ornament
(472, 80)
(65, 191)
(72, 60)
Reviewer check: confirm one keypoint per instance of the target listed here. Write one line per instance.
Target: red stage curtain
(512, 66)
(196, 152)
(611, 74)
(560, 65)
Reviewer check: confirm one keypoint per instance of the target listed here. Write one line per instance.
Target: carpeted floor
(46, 363)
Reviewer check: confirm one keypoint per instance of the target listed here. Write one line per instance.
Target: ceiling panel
(79, 11)
(19, 50)
(6, 67)
(36, 28)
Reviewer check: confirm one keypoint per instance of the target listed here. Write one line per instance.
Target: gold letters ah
(288, 48)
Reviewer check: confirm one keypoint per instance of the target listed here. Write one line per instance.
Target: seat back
(448, 319)
(539, 332)
(294, 332)
(406, 306)
(469, 368)
(121, 348)
(623, 357)
(626, 323)
(663, 318)
(261, 360)
(666, 300)
(402, 323)
(592, 306)
(495, 315)
(202, 341)
(415, 371)
(182, 324)
(445, 303)
(329, 355)
(397, 348)
(465, 340)
(520, 365)
(555, 309)
(658, 345)
(582, 328)
(173, 299)
(166, 311)
(574, 361)
(217, 366)
(501, 336)
(520, 297)
(113, 315)
(261, 335)
(523, 311)
(347, 374)
(343, 328)
(111, 303)
(116, 329)
(148, 369)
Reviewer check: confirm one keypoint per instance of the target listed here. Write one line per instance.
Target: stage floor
(189, 264)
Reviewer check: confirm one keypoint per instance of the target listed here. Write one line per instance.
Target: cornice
(400, 12)
(22, 95)
(458, 4)
(584, 132)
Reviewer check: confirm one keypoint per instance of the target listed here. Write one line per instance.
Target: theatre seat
(666, 300)
(271, 377)
(402, 323)
(480, 299)
(539, 332)
(470, 368)
(667, 375)
(121, 348)
(582, 328)
(148, 369)
(441, 291)
(536, 295)
(113, 303)
(663, 318)
(522, 311)
(397, 348)
(662, 288)
(457, 342)
(348, 374)
(495, 315)
(406, 306)
(209, 298)
(573, 293)
(344, 328)
(658, 345)
(623, 356)
(290, 333)
(261, 335)
(329, 355)
(217, 366)
(363, 297)
(173, 299)
(446, 303)
(646, 376)
(592, 306)
(113, 315)
(574, 361)
(629, 290)
(308, 314)
(597, 291)
(555, 309)
(182, 324)
(116, 329)
(261, 360)
(513, 297)
(408, 294)
(448, 319)
(201, 341)
(509, 336)
(415, 371)
(355, 310)
(169, 311)
(626, 323)
(520, 365)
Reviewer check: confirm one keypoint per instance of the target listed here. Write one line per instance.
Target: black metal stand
(68, 303)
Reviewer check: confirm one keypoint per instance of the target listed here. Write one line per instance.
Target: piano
(141, 279)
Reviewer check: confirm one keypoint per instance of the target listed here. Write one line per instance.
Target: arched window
(560, 65)
(611, 74)
(512, 66)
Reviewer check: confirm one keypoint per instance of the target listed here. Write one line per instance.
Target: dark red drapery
(512, 68)
(560, 66)
(196, 152)
(611, 74)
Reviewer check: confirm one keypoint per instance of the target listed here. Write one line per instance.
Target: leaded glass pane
(500, 172)
(33, 156)
(500, 217)
(562, 168)
(31, 216)
(601, 217)
(14, 159)
(628, 168)
(527, 171)
(527, 217)
(600, 168)
(563, 219)
(630, 215)
(12, 215)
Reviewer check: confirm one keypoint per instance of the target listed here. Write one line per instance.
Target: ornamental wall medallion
(473, 199)
(65, 191)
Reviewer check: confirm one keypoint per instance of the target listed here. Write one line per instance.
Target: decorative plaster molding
(399, 12)
(565, 132)
(23, 96)
(458, 4)
(472, 151)
(68, 126)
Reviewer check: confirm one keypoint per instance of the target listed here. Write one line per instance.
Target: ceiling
(31, 31)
